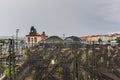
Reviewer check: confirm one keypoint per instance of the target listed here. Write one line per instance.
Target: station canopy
(72, 40)
(54, 39)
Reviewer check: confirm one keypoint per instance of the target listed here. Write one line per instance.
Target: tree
(99, 40)
(118, 40)
(1, 42)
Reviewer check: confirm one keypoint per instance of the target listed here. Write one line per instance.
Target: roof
(54, 39)
(33, 34)
(74, 38)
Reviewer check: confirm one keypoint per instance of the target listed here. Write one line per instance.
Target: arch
(72, 40)
(54, 39)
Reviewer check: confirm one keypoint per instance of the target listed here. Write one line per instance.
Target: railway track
(67, 64)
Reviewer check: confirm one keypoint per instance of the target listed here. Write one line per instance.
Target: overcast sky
(58, 17)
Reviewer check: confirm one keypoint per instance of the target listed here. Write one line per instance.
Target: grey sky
(58, 17)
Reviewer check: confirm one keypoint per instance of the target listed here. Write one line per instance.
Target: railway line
(68, 64)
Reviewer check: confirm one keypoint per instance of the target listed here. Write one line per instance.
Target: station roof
(54, 39)
(73, 38)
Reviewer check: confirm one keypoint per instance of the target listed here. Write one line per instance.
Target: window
(28, 39)
(35, 39)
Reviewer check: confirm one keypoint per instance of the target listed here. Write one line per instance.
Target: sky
(58, 17)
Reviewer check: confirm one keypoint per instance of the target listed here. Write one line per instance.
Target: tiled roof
(33, 34)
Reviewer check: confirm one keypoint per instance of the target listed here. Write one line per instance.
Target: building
(34, 38)
(54, 40)
(104, 38)
(72, 40)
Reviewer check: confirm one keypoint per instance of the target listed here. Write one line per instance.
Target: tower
(34, 37)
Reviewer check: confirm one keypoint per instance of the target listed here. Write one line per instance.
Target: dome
(33, 29)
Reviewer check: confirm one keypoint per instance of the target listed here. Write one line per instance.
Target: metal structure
(1, 55)
(17, 30)
(11, 59)
(73, 62)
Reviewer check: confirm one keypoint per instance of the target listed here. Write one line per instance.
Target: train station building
(34, 37)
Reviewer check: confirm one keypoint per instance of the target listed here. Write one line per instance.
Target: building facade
(104, 38)
(34, 38)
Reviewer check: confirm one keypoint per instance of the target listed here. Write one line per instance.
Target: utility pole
(11, 60)
(17, 30)
(93, 60)
(1, 45)
(0, 54)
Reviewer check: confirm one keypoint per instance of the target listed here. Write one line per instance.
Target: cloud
(77, 17)
(109, 11)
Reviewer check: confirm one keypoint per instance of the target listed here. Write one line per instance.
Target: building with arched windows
(34, 38)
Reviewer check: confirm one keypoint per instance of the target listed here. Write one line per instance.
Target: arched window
(35, 39)
(28, 39)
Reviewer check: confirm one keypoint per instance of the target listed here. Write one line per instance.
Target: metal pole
(1, 55)
(94, 60)
(86, 65)
(11, 60)
(17, 30)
